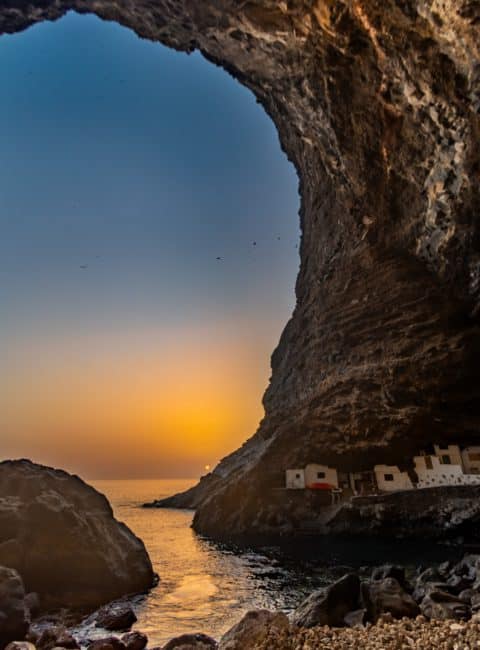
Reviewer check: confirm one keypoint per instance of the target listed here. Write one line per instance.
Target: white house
(389, 478)
(433, 471)
(471, 460)
(320, 475)
(295, 479)
(449, 455)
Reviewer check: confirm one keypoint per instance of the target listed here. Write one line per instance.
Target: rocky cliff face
(377, 105)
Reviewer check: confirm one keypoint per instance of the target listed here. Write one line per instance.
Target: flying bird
(254, 243)
(218, 258)
(84, 266)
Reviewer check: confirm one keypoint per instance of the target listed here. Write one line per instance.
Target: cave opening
(149, 251)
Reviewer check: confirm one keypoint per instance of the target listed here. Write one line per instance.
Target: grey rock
(387, 596)
(99, 559)
(329, 606)
(14, 615)
(117, 616)
(356, 618)
(191, 642)
(107, 643)
(442, 605)
(135, 640)
(253, 628)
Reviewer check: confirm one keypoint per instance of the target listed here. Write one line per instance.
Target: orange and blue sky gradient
(127, 349)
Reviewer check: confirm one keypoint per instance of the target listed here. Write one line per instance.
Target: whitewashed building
(389, 478)
(295, 479)
(320, 475)
(433, 470)
(471, 460)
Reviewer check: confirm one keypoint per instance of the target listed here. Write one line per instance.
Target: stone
(355, 618)
(135, 640)
(444, 606)
(107, 643)
(32, 602)
(253, 629)
(391, 571)
(330, 605)
(191, 642)
(56, 636)
(376, 105)
(14, 615)
(116, 617)
(98, 560)
(387, 596)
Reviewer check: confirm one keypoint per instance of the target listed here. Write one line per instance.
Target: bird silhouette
(254, 243)
(84, 266)
(218, 258)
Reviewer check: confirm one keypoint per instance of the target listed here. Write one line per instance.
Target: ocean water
(206, 587)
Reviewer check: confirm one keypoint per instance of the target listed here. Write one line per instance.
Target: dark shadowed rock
(387, 597)
(442, 605)
(191, 642)
(61, 536)
(253, 628)
(108, 643)
(14, 615)
(56, 636)
(391, 571)
(116, 616)
(135, 640)
(328, 606)
(355, 618)
(32, 601)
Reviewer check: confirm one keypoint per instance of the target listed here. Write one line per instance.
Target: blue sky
(144, 165)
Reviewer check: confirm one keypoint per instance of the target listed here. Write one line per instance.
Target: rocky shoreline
(390, 609)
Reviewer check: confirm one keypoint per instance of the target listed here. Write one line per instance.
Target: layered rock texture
(62, 538)
(377, 106)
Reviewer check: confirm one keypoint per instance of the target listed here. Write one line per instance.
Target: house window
(474, 455)
(445, 460)
(297, 475)
(321, 474)
(388, 477)
(428, 462)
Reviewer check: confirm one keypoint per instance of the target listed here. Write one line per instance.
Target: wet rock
(54, 637)
(328, 606)
(442, 605)
(191, 642)
(99, 559)
(253, 628)
(14, 615)
(135, 640)
(107, 643)
(116, 617)
(387, 596)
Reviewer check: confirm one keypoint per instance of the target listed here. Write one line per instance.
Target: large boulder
(328, 606)
(14, 615)
(61, 536)
(387, 596)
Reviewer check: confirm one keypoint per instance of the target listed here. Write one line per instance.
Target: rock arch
(377, 105)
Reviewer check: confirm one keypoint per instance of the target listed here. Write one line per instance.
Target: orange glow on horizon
(135, 406)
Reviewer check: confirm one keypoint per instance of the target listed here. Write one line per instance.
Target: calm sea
(205, 587)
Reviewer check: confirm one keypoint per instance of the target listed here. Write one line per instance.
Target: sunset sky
(143, 165)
